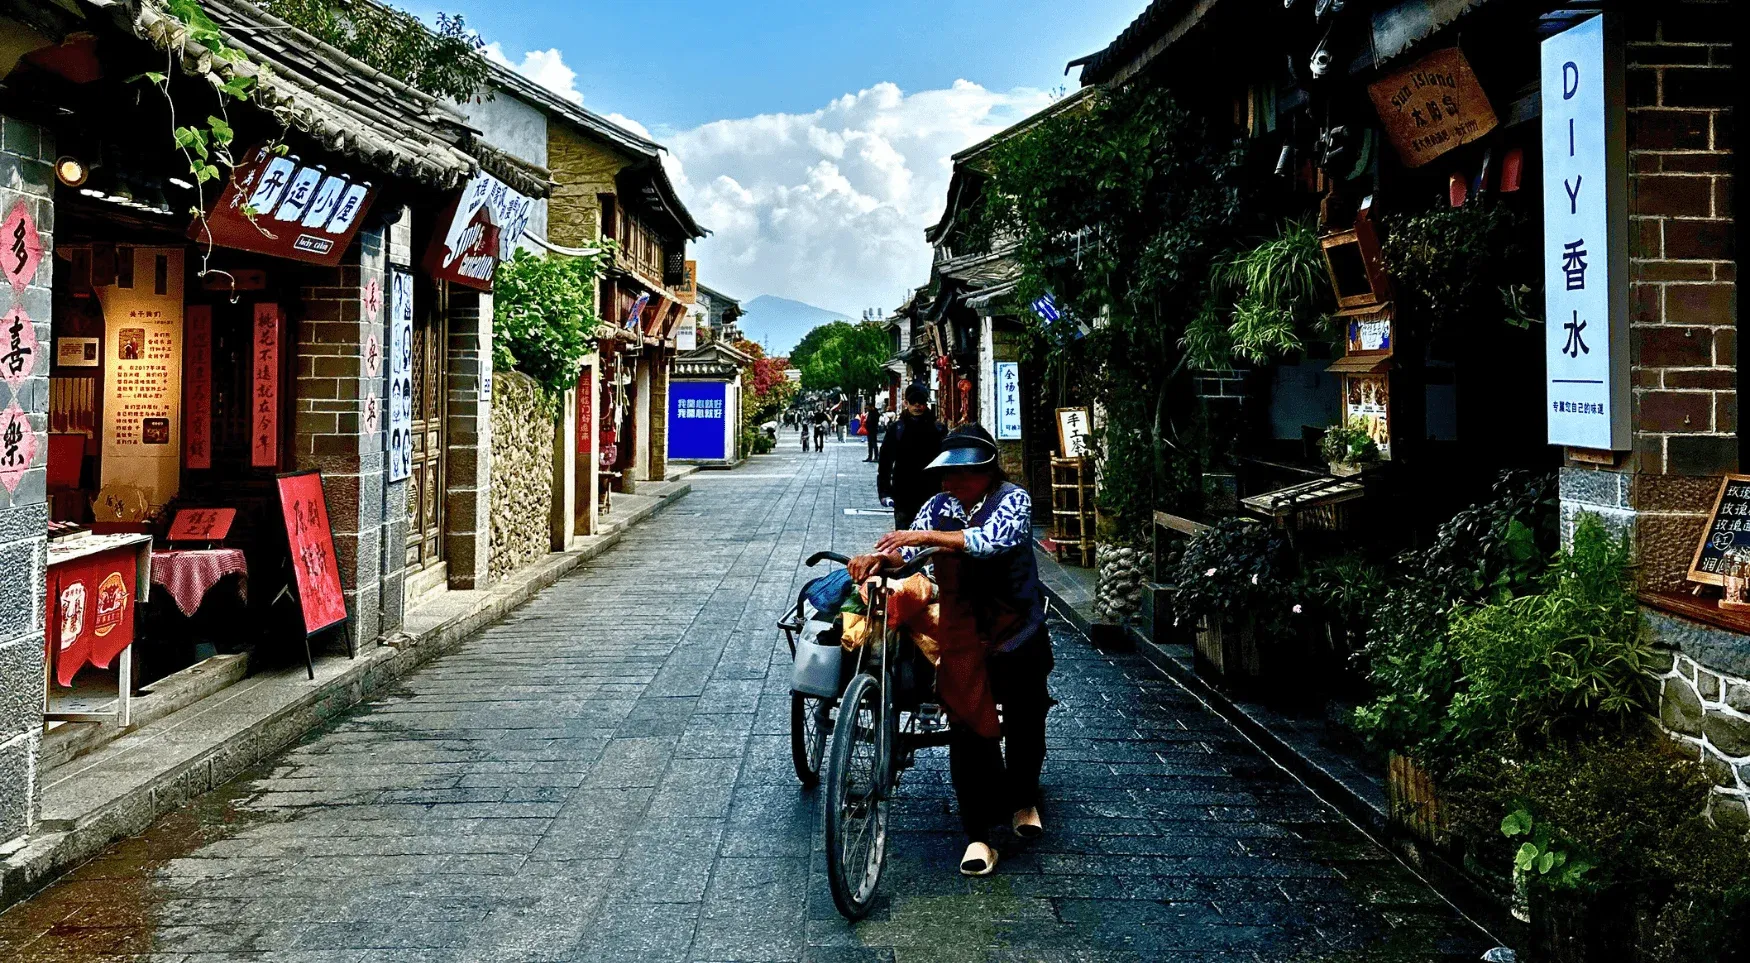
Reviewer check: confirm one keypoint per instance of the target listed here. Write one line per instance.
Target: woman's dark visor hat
(969, 447)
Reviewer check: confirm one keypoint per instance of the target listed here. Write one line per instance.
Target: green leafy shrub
(1492, 550)
(1234, 571)
(1569, 656)
(1629, 803)
(1462, 266)
(544, 317)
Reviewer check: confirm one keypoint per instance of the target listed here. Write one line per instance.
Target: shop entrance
(425, 488)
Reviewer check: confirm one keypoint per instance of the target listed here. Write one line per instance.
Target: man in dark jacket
(911, 443)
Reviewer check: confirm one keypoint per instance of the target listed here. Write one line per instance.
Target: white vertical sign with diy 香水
(1585, 230)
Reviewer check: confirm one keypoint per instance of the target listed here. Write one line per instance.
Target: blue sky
(811, 138)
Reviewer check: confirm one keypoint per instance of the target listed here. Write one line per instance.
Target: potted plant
(1348, 447)
(1234, 583)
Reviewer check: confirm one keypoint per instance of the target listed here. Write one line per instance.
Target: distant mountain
(779, 323)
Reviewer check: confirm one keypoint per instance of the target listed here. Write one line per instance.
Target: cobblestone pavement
(605, 776)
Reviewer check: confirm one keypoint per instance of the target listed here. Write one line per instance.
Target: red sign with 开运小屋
(276, 203)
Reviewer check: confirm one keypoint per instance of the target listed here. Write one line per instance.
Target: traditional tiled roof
(346, 105)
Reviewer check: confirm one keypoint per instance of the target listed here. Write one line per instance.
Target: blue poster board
(696, 413)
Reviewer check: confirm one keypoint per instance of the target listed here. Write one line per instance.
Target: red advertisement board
(585, 412)
(91, 610)
(197, 423)
(312, 543)
(264, 414)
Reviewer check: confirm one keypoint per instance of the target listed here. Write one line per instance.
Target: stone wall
(26, 153)
(581, 170)
(522, 473)
(1704, 702)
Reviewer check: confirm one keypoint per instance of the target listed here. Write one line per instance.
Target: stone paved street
(605, 776)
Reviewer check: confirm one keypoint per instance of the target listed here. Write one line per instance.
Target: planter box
(1413, 802)
(1229, 651)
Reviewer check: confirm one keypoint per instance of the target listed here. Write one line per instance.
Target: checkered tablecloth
(188, 574)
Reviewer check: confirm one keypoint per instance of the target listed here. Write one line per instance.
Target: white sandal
(1027, 823)
(980, 860)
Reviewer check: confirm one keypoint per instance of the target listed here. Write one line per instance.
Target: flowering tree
(765, 392)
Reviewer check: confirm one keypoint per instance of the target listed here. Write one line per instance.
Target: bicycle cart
(884, 715)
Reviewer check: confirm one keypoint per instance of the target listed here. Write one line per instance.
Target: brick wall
(468, 441)
(1682, 314)
(26, 153)
(338, 323)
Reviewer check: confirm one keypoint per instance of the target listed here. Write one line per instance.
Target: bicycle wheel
(856, 801)
(810, 726)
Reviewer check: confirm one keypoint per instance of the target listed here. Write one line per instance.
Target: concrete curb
(65, 839)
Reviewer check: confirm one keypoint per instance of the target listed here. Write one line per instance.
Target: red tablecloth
(188, 574)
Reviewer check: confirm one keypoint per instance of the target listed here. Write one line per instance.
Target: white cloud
(544, 67)
(830, 207)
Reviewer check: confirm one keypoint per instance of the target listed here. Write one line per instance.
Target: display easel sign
(1728, 528)
(1074, 427)
(316, 575)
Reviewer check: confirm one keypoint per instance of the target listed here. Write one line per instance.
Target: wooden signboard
(1074, 426)
(312, 543)
(201, 525)
(197, 386)
(1728, 527)
(264, 414)
(1432, 106)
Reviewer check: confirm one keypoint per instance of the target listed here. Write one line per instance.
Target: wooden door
(425, 488)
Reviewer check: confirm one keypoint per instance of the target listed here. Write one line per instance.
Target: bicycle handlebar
(904, 571)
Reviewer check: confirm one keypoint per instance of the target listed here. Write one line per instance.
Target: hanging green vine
(1263, 301)
(1117, 209)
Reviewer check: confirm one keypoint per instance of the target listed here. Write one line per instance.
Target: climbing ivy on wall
(1117, 208)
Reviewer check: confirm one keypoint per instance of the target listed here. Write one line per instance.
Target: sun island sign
(1432, 107)
(1585, 239)
(484, 225)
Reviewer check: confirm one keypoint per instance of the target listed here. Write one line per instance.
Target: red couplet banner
(197, 421)
(264, 411)
(312, 542)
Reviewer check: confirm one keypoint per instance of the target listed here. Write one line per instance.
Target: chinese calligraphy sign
(197, 427)
(1073, 429)
(1432, 107)
(201, 524)
(17, 446)
(314, 566)
(21, 248)
(1585, 248)
(1008, 395)
(484, 225)
(264, 392)
(18, 347)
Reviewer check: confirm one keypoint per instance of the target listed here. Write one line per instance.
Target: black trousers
(995, 777)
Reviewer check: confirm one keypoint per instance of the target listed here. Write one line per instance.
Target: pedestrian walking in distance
(820, 418)
(872, 428)
(992, 636)
(802, 422)
(910, 444)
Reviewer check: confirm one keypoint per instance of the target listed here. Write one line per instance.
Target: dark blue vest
(1003, 589)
